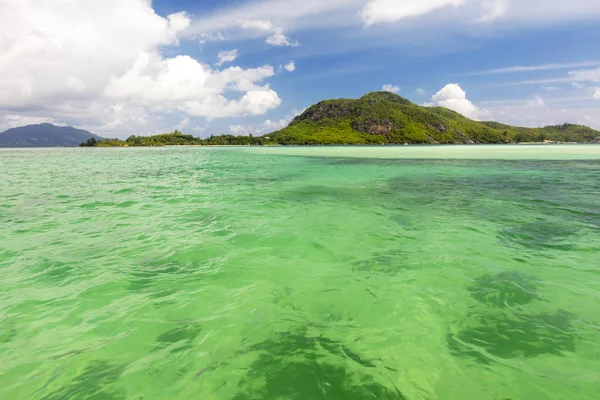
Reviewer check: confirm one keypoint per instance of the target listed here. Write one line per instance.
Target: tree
(91, 142)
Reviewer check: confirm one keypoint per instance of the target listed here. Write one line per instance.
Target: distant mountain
(386, 118)
(44, 135)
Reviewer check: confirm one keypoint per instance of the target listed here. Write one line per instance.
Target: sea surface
(300, 273)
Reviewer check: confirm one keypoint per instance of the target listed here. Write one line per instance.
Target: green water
(234, 273)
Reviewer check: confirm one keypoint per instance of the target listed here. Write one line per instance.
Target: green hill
(376, 118)
(386, 118)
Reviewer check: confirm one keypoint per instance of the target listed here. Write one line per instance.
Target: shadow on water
(506, 289)
(391, 263)
(56, 272)
(151, 273)
(292, 366)
(510, 336)
(178, 339)
(295, 365)
(7, 332)
(97, 382)
(540, 235)
(311, 193)
(404, 221)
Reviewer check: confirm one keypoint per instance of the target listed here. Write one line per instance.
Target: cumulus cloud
(226, 57)
(184, 123)
(275, 125)
(453, 97)
(271, 126)
(290, 67)
(586, 75)
(539, 112)
(389, 11)
(238, 129)
(15, 120)
(390, 88)
(278, 39)
(597, 93)
(420, 92)
(99, 64)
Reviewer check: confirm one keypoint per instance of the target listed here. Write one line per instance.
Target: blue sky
(129, 67)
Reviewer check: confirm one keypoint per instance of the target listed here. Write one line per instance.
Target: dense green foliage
(178, 139)
(376, 118)
(386, 118)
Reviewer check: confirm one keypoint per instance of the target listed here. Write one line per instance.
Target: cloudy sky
(122, 67)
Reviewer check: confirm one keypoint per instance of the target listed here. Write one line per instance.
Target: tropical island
(378, 118)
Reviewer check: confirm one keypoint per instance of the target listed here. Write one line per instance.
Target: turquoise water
(308, 273)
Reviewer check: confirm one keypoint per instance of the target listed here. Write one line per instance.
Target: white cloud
(390, 88)
(290, 67)
(184, 123)
(183, 84)
(278, 39)
(538, 101)
(99, 64)
(276, 36)
(551, 88)
(227, 57)
(261, 25)
(535, 68)
(238, 129)
(453, 97)
(204, 38)
(582, 75)
(493, 9)
(389, 11)
(271, 126)
(591, 121)
(536, 113)
(297, 15)
(420, 92)
(275, 125)
(586, 75)
(596, 95)
(16, 120)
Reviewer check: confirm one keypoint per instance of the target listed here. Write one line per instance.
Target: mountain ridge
(378, 118)
(45, 135)
(386, 118)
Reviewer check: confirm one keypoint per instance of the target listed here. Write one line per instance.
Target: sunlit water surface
(308, 273)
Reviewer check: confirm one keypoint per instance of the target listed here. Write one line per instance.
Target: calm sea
(300, 273)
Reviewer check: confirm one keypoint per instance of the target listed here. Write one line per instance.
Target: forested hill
(386, 118)
(45, 135)
(376, 118)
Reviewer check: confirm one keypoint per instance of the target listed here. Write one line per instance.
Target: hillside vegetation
(386, 118)
(376, 118)
(178, 139)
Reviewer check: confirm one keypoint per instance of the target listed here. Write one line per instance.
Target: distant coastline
(378, 118)
(177, 139)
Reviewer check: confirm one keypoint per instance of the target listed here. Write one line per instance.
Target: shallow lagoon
(413, 272)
